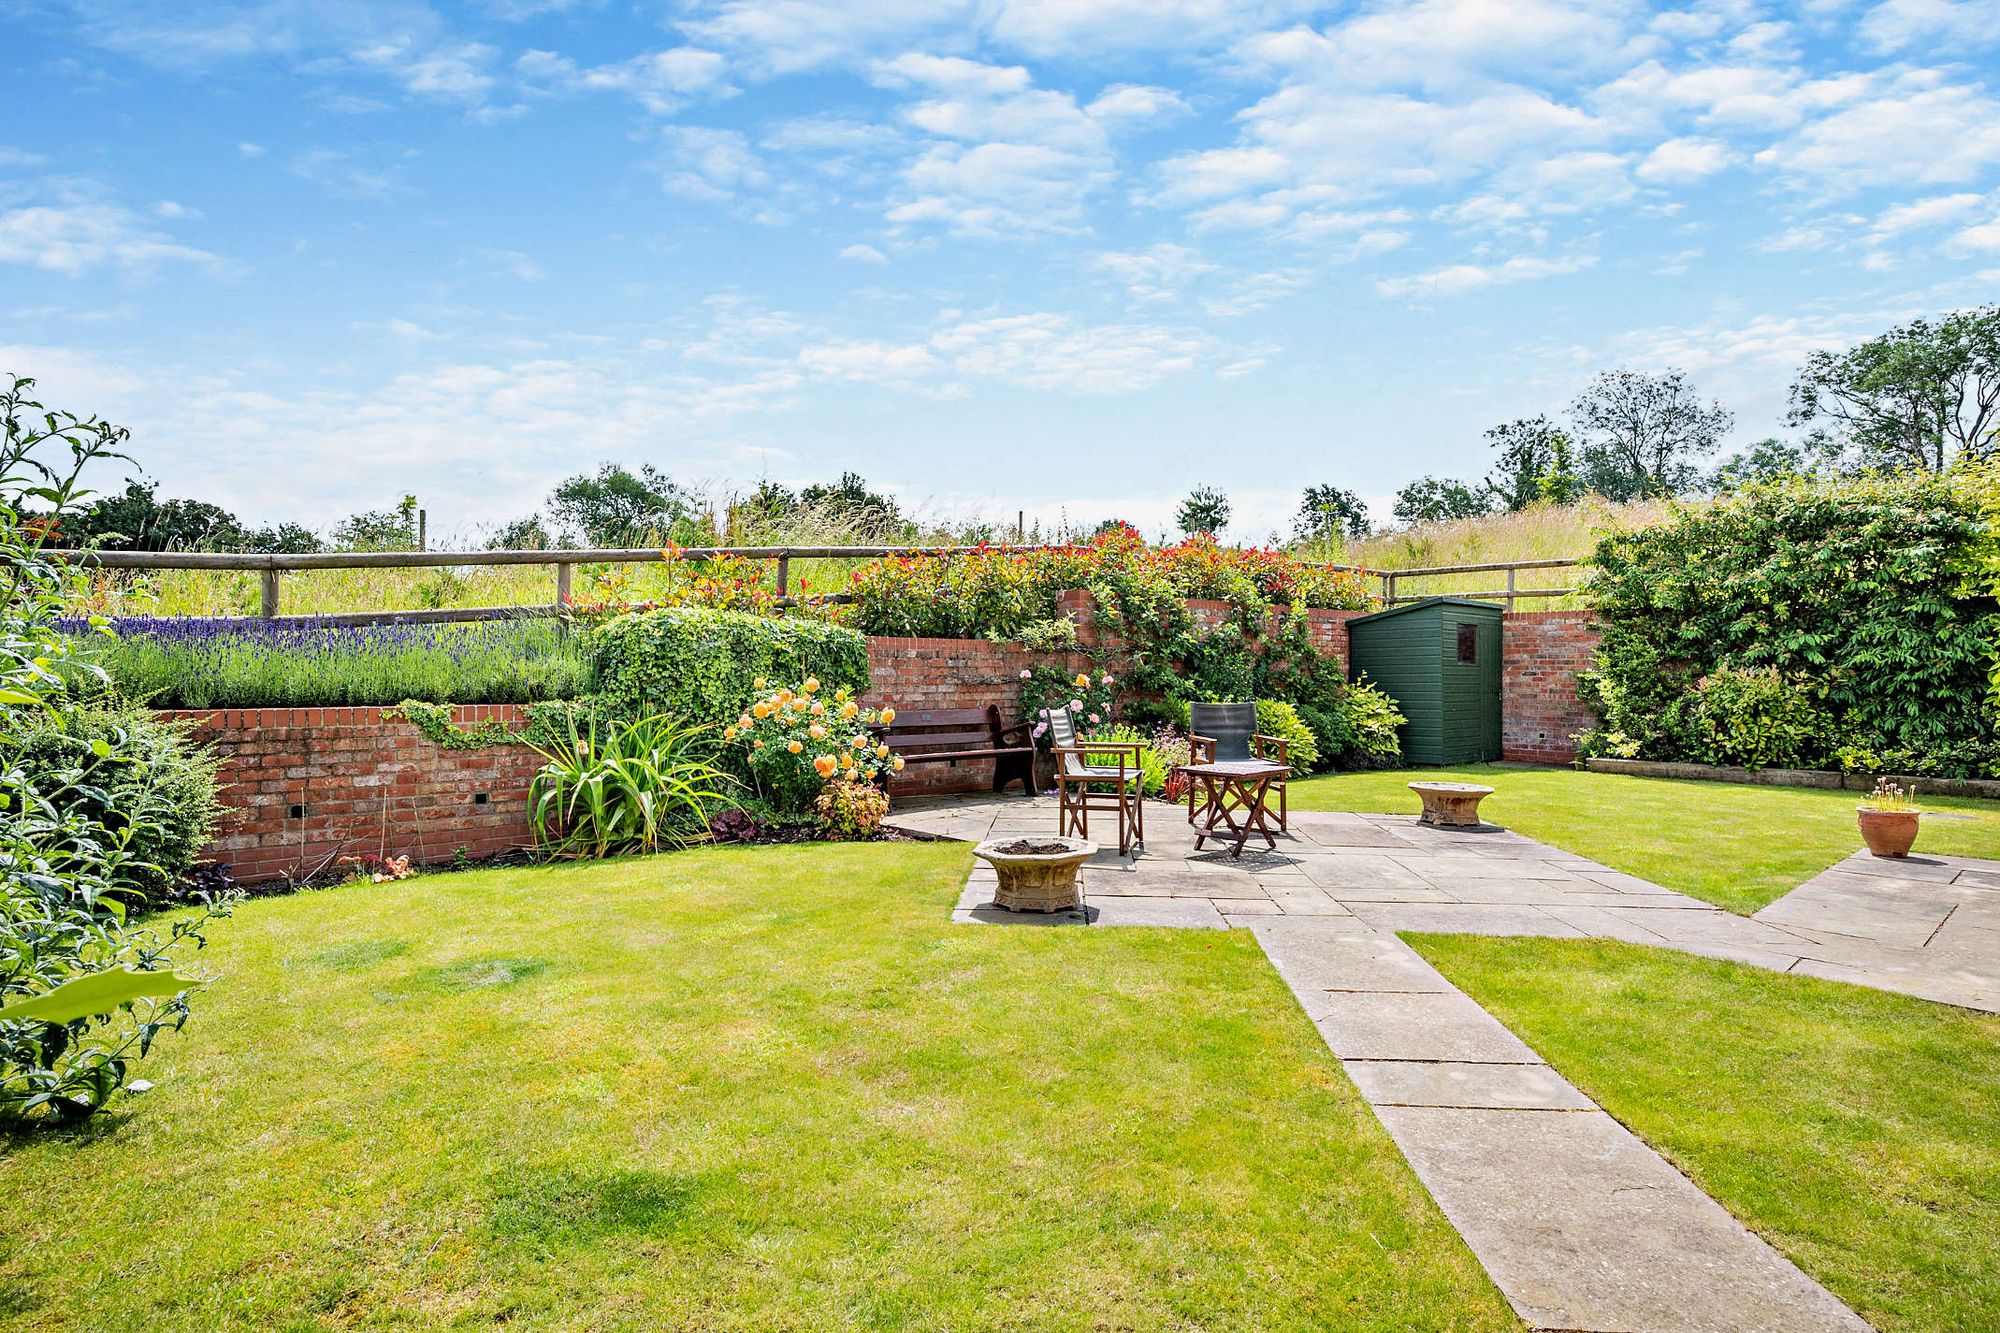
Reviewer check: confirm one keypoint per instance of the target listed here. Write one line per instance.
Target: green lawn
(751, 1088)
(1854, 1130)
(1737, 846)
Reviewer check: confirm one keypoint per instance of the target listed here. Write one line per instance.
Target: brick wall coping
(349, 715)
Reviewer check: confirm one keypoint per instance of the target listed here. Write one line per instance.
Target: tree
(1439, 500)
(849, 500)
(1921, 395)
(1525, 450)
(379, 529)
(1329, 513)
(1642, 433)
(1559, 483)
(136, 519)
(1206, 509)
(1766, 460)
(615, 507)
(285, 539)
(523, 534)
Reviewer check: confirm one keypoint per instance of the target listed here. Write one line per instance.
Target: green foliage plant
(1277, 718)
(84, 991)
(849, 809)
(613, 787)
(1871, 599)
(702, 666)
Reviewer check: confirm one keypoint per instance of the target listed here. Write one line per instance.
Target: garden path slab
(1580, 1224)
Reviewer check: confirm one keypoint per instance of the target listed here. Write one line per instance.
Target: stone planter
(1451, 804)
(1037, 874)
(1888, 833)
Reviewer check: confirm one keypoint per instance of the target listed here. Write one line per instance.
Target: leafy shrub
(1278, 718)
(183, 662)
(1358, 729)
(137, 778)
(702, 666)
(1049, 636)
(1753, 718)
(1870, 598)
(798, 742)
(611, 787)
(849, 809)
(1154, 763)
(83, 990)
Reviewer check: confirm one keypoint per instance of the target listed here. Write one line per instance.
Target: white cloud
(1457, 279)
(1163, 272)
(999, 156)
(247, 149)
(1136, 104)
(19, 157)
(1056, 354)
(1935, 211)
(1448, 44)
(1954, 24)
(1682, 161)
(1911, 135)
(708, 164)
(662, 82)
(861, 253)
(1985, 236)
(347, 173)
(75, 238)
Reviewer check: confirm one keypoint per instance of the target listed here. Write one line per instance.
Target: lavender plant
(182, 662)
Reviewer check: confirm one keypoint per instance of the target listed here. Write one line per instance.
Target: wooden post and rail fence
(271, 568)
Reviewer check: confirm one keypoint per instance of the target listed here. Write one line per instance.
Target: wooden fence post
(1510, 589)
(784, 574)
(562, 583)
(267, 601)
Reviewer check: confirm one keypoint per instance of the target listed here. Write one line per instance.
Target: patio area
(1579, 1222)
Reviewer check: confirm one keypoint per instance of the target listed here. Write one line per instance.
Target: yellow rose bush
(798, 740)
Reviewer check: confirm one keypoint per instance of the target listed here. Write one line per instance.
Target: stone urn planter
(1451, 804)
(1037, 873)
(1888, 833)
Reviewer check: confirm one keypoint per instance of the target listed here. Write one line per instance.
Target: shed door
(1471, 687)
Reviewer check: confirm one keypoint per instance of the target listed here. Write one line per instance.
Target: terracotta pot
(1888, 833)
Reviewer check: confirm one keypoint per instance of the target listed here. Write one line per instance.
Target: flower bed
(182, 662)
(1001, 593)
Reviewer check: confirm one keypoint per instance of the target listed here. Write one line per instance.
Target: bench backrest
(918, 730)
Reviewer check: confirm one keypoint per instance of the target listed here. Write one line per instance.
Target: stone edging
(1983, 788)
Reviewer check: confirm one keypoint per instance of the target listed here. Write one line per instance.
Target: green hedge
(1803, 624)
(701, 666)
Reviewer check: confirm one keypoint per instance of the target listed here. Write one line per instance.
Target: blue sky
(1067, 256)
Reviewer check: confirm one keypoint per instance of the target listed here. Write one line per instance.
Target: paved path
(1580, 1224)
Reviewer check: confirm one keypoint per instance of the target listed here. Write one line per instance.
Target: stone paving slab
(1319, 956)
(1416, 1025)
(1583, 1226)
(1467, 1086)
(1463, 918)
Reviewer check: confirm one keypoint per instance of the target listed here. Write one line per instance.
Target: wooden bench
(948, 735)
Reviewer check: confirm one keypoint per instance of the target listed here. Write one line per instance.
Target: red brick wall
(306, 786)
(1328, 628)
(1541, 654)
(953, 673)
(309, 785)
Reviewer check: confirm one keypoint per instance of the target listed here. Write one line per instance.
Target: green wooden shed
(1440, 660)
